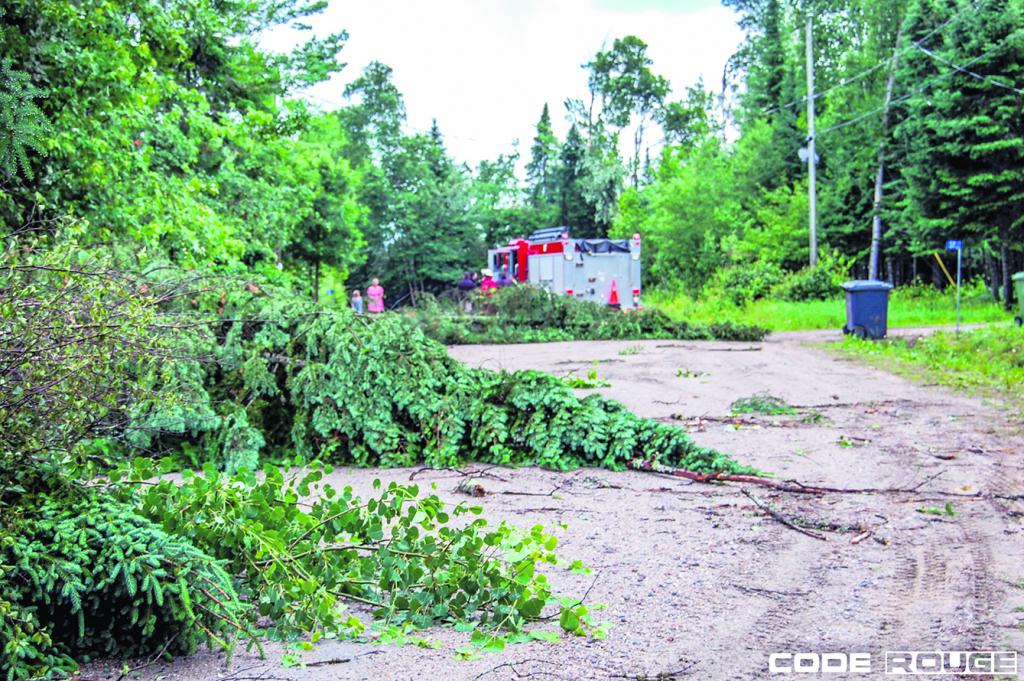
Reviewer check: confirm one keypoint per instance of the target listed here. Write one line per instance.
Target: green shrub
(144, 568)
(761, 403)
(372, 391)
(818, 282)
(741, 284)
(527, 314)
(90, 578)
(413, 559)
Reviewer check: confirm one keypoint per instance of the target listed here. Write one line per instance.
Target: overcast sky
(485, 68)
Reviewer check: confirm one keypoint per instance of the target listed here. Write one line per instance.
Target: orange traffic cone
(613, 299)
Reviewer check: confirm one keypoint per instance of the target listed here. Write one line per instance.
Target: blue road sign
(954, 245)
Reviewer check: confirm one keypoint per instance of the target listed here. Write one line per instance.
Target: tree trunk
(1004, 256)
(876, 219)
(316, 282)
(938, 278)
(992, 270)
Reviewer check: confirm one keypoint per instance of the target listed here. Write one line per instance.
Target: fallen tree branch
(700, 349)
(340, 660)
(654, 467)
(800, 488)
(861, 537)
(775, 515)
(519, 675)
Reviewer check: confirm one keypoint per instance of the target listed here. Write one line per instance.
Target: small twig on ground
(153, 660)
(878, 403)
(861, 537)
(700, 349)
(659, 676)
(927, 480)
(768, 592)
(651, 466)
(234, 676)
(341, 660)
(554, 489)
(800, 488)
(481, 472)
(783, 519)
(542, 509)
(519, 674)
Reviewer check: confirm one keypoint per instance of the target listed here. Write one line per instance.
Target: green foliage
(89, 578)
(329, 385)
(542, 171)
(989, 360)
(741, 284)
(961, 114)
(908, 306)
(74, 338)
(22, 125)
(526, 314)
(591, 380)
(683, 216)
(412, 559)
(761, 403)
(84, 573)
(168, 132)
(817, 282)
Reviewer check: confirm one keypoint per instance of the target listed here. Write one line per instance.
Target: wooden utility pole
(876, 219)
(811, 156)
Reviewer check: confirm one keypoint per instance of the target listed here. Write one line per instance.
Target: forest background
(181, 227)
(163, 130)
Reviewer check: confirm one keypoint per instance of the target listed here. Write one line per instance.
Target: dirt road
(702, 584)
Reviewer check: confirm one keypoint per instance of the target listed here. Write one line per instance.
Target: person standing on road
(357, 302)
(466, 287)
(487, 285)
(504, 279)
(466, 284)
(376, 295)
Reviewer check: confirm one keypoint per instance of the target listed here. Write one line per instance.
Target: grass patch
(908, 306)
(762, 403)
(591, 381)
(989, 361)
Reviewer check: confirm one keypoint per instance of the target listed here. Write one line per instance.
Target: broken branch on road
(778, 517)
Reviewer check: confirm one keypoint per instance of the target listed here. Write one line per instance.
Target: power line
(870, 70)
(934, 79)
(962, 69)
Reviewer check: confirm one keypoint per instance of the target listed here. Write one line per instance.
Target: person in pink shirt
(488, 284)
(376, 298)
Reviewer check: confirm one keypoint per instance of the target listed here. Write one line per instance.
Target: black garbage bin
(867, 308)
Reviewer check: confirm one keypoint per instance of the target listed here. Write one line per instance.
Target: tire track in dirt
(781, 625)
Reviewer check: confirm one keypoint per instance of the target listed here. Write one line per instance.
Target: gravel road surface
(699, 582)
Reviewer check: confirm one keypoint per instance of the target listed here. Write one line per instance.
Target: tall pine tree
(962, 129)
(542, 170)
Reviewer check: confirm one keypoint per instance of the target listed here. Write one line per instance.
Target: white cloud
(484, 68)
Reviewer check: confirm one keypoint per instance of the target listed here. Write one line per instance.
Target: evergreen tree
(542, 170)
(574, 211)
(961, 128)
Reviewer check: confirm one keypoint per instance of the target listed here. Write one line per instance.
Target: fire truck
(605, 271)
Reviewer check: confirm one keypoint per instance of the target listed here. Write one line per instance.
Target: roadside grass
(908, 306)
(987, 361)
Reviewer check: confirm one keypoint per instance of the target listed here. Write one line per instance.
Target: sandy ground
(698, 582)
